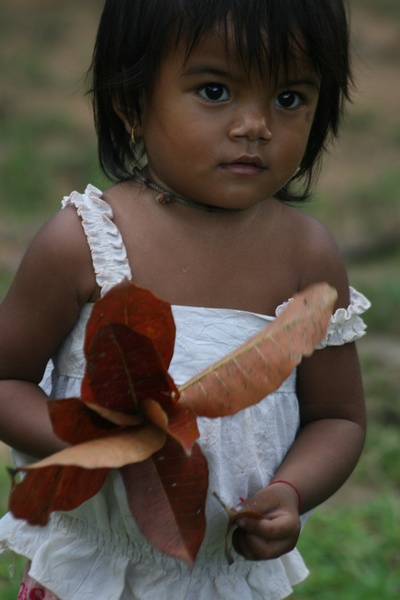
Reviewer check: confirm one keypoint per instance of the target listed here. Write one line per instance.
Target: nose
(251, 123)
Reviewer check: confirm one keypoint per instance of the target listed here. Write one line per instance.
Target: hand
(279, 529)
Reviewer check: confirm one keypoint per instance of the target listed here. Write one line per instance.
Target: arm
(322, 457)
(327, 447)
(54, 280)
(332, 432)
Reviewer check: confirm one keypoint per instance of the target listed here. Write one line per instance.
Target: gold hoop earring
(133, 137)
(296, 172)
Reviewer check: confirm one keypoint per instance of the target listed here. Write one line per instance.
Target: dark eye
(289, 100)
(214, 92)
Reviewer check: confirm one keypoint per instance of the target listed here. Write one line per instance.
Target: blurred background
(48, 149)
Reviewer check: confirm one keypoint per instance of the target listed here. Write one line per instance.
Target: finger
(251, 547)
(275, 528)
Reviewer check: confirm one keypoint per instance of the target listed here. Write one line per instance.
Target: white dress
(96, 551)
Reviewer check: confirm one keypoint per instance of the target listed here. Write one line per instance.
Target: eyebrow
(205, 69)
(211, 70)
(303, 81)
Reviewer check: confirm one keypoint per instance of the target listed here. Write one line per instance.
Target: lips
(245, 165)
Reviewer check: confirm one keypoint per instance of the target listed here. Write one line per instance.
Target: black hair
(134, 36)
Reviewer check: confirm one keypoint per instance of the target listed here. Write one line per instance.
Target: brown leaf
(110, 451)
(166, 496)
(259, 366)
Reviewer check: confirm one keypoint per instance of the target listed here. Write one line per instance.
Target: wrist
(293, 487)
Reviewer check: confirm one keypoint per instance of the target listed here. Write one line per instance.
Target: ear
(128, 121)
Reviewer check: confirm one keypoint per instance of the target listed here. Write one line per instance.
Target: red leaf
(141, 311)
(166, 496)
(53, 488)
(124, 373)
(64, 480)
(125, 386)
(74, 422)
(129, 342)
(123, 369)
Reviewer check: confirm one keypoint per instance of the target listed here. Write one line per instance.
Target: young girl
(211, 117)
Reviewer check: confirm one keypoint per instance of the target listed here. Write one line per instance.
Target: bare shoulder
(60, 251)
(328, 382)
(54, 280)
(316, 253)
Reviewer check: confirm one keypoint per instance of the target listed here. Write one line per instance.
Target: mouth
(245, 165)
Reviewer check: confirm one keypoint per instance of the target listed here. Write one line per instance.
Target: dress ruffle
(346, 324)
(78, 560)
(109, 256)
(68, 563)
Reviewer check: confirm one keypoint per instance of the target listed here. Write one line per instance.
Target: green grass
(351, 544)
(361, 213)
(11, 565)
(58, 156)
(353, 552)
(378, 278)
(365, 220)
(11, 571)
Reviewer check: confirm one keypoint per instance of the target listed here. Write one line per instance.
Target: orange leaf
(64, 480)
(111, 451)
(166, 496)
(259, 366)
(179, 421)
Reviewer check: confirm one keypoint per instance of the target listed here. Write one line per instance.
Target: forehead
(221, 46)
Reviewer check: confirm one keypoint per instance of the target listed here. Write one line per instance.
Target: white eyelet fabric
(96, 550)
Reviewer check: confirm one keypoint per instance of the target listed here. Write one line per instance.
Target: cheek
(300, 136)
(310, 117)
(290, 152)
(293, 150)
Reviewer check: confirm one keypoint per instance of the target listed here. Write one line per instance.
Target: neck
(165, 197)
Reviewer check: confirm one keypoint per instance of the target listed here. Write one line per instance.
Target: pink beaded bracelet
(293, 488)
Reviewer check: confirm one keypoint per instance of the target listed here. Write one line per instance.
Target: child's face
(216, 135)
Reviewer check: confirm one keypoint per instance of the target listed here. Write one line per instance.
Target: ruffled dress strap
(109, 257)
(346, 325)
